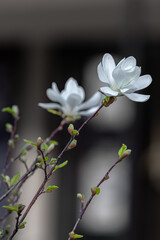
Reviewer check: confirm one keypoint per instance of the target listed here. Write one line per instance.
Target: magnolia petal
(108, 64)
(101, 74)
(88, 112)
(54, 97)
(124, 78)
(50, 106)
(93, 101)
(128, 64)
(55, 88)
(108, 91)
(73, 100)
(72, 87)
(141, 83)
(137, 97)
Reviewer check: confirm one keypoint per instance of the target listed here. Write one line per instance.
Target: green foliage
(9, 127)
(12, 208)
(15, 179)
(29, 142)
(22, 225)
(61, 165)
(53, 160)
(51, 188)
(77, 236)
(6, 179)
(44, 146)
(14, 111)
(122, 150)
(54, 142)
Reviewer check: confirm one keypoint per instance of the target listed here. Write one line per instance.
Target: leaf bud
(71, 235)
(71, 129)
(106, 177)
(20, 208)
(16, 111)
(9, 127)
(39, 142)
(73, 144)
(109, 101)
(81, 197)
(125, 154)
(51, 147)
(11, 143)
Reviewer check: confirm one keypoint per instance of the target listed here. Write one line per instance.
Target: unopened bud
(50, 148)
(71, 129)
(125, 154)
(81, 197)
(73, 144)
(20, 208)
(9, 127)
(11, 143)
(39, 142)
(93, 191)
(106, 177)
(71, 235)
(16, 111)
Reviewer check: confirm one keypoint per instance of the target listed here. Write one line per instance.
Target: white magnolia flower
(69, 101)
(123, 79)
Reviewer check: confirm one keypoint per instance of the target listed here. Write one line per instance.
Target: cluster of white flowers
(123, 79)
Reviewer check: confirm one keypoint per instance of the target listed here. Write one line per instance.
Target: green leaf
(78, 236)
(75, 132)
(50, 188)
(44, 146)
(54, 142)
(22, 225)
(122, 150)
(9, 110)
(61, 165)
(12, 208)
(53, 160)
(29, 142)
(15, 179)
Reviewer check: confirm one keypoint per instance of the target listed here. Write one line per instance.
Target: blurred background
(45, 41)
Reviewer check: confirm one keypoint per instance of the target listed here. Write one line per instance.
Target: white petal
(108, 91)
(88, 112)
(137, 97)
(71, 87)
(108, 64)
(128, 64)
(141, 83)
(53, 96)
(101, 74)
(74, 100)
(124, 78)
(55, 88)
(50, 105)
(93, 101)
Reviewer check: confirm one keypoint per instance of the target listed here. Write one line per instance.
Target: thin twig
(106, 176)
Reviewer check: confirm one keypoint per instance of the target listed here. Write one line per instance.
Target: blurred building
(51, 40)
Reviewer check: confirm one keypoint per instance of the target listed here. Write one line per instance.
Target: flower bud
(106, 177)
(71, 129)
(81, 197)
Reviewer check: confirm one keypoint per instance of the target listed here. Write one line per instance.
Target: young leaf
(12, 208)
(29, 142)
(50, 188)
(22, 225)
(54, 142)
(8, 109)
(15, 179)
(44, 146)
(77, 236)
(122, 150)
(61, 165)
(53, 160)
